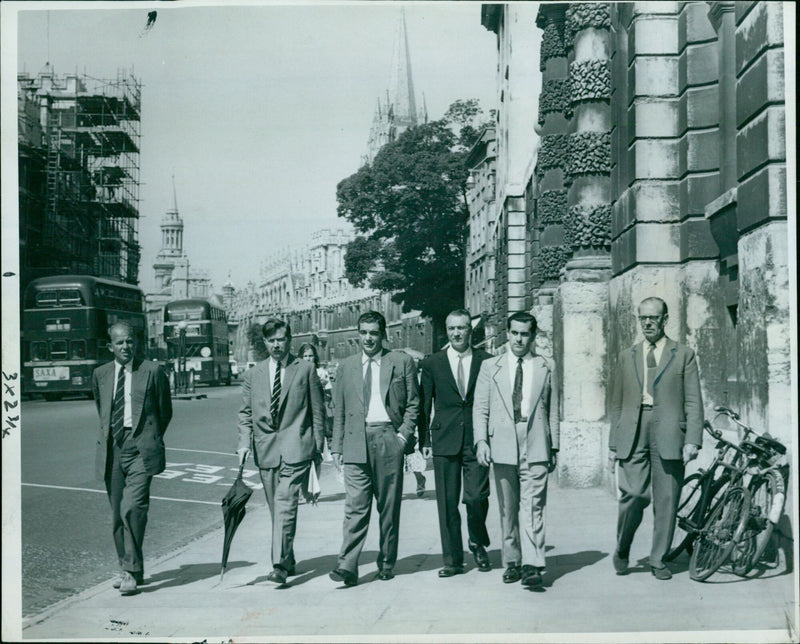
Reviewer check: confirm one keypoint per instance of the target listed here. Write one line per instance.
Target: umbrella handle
(241, 469)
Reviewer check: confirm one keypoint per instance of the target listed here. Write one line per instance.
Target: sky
(258, 110)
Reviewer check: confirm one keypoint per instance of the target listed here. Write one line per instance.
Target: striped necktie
(651, 369)
(516, 396)
(460, 377)
(118, 408)
(276, 395)
(367, 385)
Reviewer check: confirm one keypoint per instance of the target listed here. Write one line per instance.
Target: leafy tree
(466, 116)
(409, 208)
(256, 340)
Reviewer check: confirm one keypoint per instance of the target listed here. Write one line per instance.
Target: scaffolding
(89, 132)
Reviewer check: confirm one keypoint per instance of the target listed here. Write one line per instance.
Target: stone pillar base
(578, 462)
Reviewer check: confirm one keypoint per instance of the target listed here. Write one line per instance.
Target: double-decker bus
(65, 322)
(196, 334)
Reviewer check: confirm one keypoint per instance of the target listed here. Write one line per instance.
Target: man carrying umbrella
(281, 421)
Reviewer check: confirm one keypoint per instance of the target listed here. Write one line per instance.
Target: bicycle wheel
(720, 533)
(686, 516)
(765, 492)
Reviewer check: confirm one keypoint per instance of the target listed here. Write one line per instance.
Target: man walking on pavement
(516, 427)
(375, 411)
(445, 428)
(656, 429)
(282, 420)
(133, 402)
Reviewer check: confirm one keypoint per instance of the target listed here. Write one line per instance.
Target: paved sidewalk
(184, 597)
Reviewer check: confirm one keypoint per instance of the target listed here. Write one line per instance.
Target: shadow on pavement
(188, 574)
(561, 565)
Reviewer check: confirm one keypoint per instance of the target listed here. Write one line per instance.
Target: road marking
(200, 451)
(88, 489)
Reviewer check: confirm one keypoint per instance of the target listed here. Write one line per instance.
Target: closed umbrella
(233, 511)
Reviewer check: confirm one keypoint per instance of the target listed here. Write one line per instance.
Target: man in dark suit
(134, 406)
(516, 428)
(656, 428)
(282, 420)
(445, 428)
(376, 400)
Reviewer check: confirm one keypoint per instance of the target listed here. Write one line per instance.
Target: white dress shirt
(527, 378)
(647, 399)
(127, 420)
(466, 364)
(377, 410)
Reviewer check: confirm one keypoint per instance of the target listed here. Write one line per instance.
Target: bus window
(46, 299)
(69, 297)
(58, 349)
(38, 350)
(77, 349)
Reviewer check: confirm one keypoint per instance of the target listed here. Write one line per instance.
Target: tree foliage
(409, 208)
(256, 340)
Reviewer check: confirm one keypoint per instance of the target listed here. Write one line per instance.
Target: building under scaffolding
(79, 175)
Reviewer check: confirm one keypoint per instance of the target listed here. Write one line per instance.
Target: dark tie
(460, 377)
(367, 385)
(516, 397)
(276, 395)
(651, 369)
(118, 408)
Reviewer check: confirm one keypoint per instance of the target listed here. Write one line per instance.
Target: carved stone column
(582, 298)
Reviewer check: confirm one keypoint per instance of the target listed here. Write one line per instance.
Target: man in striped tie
(133, 402)
(656, 429)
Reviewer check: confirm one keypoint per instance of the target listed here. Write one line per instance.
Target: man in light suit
(133, 402)
(376, 399)
(282, 420)
(445, 429)
(656, 428)
(515, 420)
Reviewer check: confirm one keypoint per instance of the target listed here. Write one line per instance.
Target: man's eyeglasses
(650, 318)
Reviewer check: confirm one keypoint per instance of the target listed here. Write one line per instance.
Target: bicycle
(741, 523)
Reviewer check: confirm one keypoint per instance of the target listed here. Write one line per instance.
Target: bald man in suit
(134, 406)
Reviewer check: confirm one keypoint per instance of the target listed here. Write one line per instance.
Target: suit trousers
(448, 471)
(282, 486)
(382, 477)
(521, 498)
(634, 478)
(128, 489)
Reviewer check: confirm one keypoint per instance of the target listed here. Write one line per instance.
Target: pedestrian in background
(656, 429)
(134, 406)
(281, 422)
(376, 400)
(445, 427)
(308, 352)
(516, 427)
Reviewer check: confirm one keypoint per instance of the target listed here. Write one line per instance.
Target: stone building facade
(660, 171)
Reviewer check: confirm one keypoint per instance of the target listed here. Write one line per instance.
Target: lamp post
(181, 388)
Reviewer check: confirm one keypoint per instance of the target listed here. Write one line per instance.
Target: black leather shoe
(662, 573)
(620, 564)
(277, 576)
(481, 558)
(511, 575)
(138, 577)
(450, 571)
(344, 576)
(531, 577)
(385, 574)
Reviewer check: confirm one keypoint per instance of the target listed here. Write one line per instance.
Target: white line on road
(88, 489)
(200, 451)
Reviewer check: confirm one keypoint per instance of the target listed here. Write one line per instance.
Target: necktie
(651, 369)
(516, 397)
(460, 377)
(367, 385)
(276, 395)
(118, 408)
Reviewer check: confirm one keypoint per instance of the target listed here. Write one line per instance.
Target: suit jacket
(445, 419)
(151, 411)
(493, 412)
(301, 415)
(677, 416)
(400, 392)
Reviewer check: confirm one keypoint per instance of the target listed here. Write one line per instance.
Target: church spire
(401, 86)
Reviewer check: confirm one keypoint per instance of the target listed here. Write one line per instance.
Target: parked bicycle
(729, 510)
